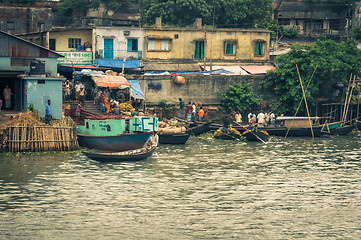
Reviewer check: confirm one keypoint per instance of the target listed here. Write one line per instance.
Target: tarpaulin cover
(218, 71)
(117, 63)
(110, 81)
(70, 68)
(136, 90)
(255, 69)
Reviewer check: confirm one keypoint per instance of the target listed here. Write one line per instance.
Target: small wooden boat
(173, 138)
(215, 126)
(197, 128)
(130, 155)
(256, 135)
(232, 134)
(339, 130)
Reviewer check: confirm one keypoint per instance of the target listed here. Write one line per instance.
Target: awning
(117, 63)
(110, 81)
(137, 91)
(70, 68)
(255, 69)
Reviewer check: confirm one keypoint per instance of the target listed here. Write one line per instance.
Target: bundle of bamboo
(26, 133)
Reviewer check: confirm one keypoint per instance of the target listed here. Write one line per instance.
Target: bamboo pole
(299, 105)
(346, 97)
(304, 96)
(349, 99)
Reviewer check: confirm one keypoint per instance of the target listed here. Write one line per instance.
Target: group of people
(190, 112)
(262, 119)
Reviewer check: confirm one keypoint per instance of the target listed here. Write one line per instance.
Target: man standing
(181, 112)
(7, 97)
(77, 88)
(48, 114)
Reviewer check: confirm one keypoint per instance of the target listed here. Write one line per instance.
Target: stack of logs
(25, 133)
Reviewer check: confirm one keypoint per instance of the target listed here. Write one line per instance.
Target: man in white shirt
(261, 120)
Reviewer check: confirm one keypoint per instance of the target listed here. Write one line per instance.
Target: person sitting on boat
(225, 124)
(272, 119)
(201, 114)
(251, 123)
(238, 117)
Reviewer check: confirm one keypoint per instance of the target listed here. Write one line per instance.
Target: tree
(68, 8)
(335, 63)
(239, 97)
(221, 13)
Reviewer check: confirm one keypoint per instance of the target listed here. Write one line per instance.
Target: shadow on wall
(155, 87)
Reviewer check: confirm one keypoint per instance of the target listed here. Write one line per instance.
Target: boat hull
(258, 136)
(293, 132)
(198, 128)
(173, 138)
(116, 143)
(119, 157)
(342, 130)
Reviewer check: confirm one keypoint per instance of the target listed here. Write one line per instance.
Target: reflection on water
(207, 189)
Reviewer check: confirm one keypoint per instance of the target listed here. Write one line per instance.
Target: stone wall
(197, 88)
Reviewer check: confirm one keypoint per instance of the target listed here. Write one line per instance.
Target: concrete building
(198, 43)
(314, 18)
(30, 71)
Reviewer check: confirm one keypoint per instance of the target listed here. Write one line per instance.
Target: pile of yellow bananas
(126, 107)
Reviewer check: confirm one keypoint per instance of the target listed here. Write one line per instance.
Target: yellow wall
(183, 47)
(61, 38)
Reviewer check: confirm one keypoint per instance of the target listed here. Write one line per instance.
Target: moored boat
(231, 134)
(116, 134)
(197, 128)
(130, 155)
(173, 138)
(337, 128)
(256, 135)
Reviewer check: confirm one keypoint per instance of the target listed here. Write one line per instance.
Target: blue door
(108, 49)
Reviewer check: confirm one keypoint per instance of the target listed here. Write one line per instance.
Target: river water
(207, 189)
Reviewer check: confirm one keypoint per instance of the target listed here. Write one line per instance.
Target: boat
(294, 127)
(116, 135)
(215, 126)
(232, 134)
(338, 128)
(130, 155)
(197, 128)
(256, 135)
(173, 138)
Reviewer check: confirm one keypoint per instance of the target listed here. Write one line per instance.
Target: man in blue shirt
(48, 114)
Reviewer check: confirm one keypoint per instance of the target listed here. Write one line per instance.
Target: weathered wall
(197, 88)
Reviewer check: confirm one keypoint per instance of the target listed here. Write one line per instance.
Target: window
(159, 45)
(164, 45)
(73, 42)
(199, 50)
(52, 45)
(132, 45)
(258, 48)
(229, 48)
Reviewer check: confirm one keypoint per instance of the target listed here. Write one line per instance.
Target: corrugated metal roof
(255, 69)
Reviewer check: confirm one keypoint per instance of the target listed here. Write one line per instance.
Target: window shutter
(130, 45)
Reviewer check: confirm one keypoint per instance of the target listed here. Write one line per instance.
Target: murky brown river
(207, 189)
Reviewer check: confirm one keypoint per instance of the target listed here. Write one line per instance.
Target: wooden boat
(116, 134)
(130, 155)
(197, 128)
(358, 125)
(116, 143)
(232, 134)
(256, 135)
(215, 126)
(338, 128)
(294, 127)
(173, 138)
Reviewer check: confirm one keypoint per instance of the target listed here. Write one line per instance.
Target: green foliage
(280, 31)
(239, 97)
(221, 13)
(68, 8)
(357, 33)
(168, 110)
(335, 62)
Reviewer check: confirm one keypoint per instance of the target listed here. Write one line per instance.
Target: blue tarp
(136, 90)
(117, 63)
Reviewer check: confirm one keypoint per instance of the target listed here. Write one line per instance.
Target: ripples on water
(207, 189)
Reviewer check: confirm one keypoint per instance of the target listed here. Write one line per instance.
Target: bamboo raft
(21, 135)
